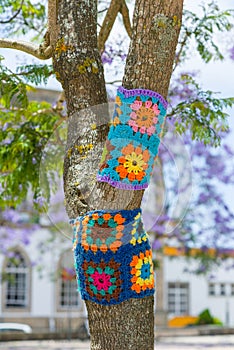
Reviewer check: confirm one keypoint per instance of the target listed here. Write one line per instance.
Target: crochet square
(110, 278)
(102, 280)
(110, 271)
(142, 271)
(103, 230)
(133, 140)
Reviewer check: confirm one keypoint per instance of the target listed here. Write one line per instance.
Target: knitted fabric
(113, 258)
(133, 140)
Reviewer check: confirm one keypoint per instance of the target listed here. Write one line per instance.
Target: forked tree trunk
(156, 25)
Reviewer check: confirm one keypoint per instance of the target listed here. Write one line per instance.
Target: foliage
(14, 86)
(205, 318)
(24, 133)
(202, 112)
(20, 17)
(201, 28)
(26, 127)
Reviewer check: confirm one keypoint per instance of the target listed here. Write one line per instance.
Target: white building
(47, 299)
(186, 293)
(38, 288)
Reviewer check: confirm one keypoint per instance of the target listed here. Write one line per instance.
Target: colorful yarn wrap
(113, 258)
(133, 140)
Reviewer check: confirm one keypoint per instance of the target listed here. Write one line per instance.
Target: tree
(72, 41)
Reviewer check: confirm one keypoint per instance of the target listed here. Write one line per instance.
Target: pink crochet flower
(143, 129)
(148, 104)
(101, 280)
(133, 115)
(136, 105)
(132, 122)
(156, 109)
(151, 130)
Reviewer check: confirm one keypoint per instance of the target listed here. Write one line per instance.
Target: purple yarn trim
(129, 93)
(120, 185)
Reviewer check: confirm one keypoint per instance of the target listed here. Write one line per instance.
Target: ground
(214, 342)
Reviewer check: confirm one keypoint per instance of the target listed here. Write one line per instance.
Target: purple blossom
(157, 244)
(159, 229)
(231, 53)
(123, 57)
(112, 52)
(12, 216)
(106, 58)
(39, 201)
(5, 126)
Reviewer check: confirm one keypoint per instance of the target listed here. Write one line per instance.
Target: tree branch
(45, 50)
(53, 28)
(27, 47)
(182, 45)
(13, 16)
(126, 19)
(115, 7)
(108, 23)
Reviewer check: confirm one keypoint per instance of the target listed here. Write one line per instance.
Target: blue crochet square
(133, 140)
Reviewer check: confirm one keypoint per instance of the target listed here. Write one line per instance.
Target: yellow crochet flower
(134, 163)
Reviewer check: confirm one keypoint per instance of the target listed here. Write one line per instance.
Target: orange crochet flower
(119, 219)
(133, 163)
(106, 217)
(145, 117)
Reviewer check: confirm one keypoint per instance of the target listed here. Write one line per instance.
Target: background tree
(77, 64)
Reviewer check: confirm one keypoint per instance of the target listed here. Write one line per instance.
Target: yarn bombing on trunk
(113, 258)
(133, 139)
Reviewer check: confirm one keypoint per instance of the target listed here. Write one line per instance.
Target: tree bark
(77, 63)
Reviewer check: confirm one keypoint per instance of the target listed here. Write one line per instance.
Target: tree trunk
(77, 63)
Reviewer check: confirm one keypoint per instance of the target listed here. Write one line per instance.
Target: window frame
(28, 280)
(178, 298)
(212, 285)
(72, 284)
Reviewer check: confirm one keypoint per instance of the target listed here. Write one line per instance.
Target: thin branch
(115, 7)
(30, 48)
(45, 50)
(108, 23)
(104, 10)
(182, 45)
(52, 26)
(14, 16)
(113, 82)
(126, 19)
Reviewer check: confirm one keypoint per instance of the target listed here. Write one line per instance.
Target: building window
(222, 289)
(17, 282)
(178, 298)
(211, 289)
(232, 289)
(68, 295)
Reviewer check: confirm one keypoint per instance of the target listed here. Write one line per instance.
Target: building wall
(44, 311)
(220, 306)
